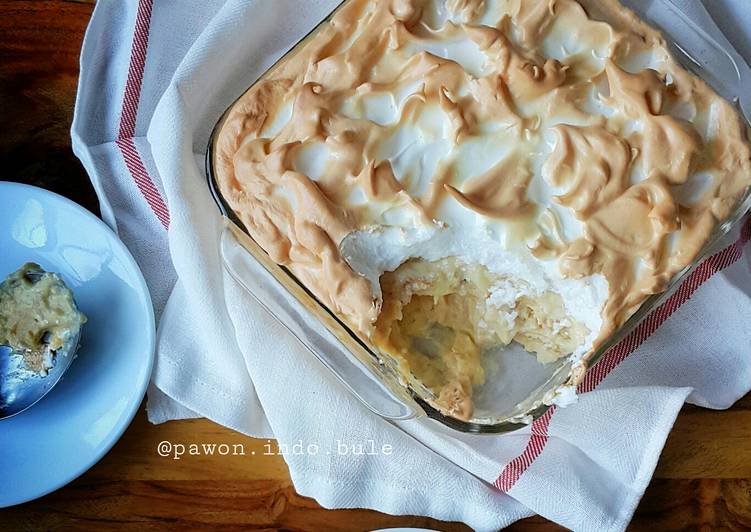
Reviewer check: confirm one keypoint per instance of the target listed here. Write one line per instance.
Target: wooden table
(703, 479)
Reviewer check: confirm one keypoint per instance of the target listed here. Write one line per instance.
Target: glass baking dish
(525, 390)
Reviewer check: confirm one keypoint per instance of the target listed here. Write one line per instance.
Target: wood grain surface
(702, 482)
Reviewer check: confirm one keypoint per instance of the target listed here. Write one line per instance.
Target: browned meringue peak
(533, 19)
(672, 143)
(598, 109)
(379, 181)
(500, 192)
(592, 165)
(527, 75)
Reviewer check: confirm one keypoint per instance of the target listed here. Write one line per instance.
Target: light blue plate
(75, 425)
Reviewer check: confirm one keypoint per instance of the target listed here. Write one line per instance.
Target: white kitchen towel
(155, 77)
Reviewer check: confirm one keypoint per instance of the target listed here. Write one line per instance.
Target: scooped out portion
(37, 316)
(438, 318)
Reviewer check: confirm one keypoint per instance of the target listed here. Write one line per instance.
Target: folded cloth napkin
(155, 77)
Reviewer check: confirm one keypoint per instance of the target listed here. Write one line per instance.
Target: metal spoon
(20, 388)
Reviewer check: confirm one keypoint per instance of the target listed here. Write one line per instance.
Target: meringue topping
(557, 135)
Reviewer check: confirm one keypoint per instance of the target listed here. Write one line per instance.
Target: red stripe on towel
(129, 113)
(142, 179)
(619, 352)
(537, 441)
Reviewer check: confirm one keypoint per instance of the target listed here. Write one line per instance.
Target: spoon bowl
(20, 388)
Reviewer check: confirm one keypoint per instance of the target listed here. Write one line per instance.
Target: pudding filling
(38, 316)
(438, 318)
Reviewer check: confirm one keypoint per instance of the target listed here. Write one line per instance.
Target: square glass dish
(521, 389)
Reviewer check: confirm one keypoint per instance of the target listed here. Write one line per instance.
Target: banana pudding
(451, 176)
(38, 316)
